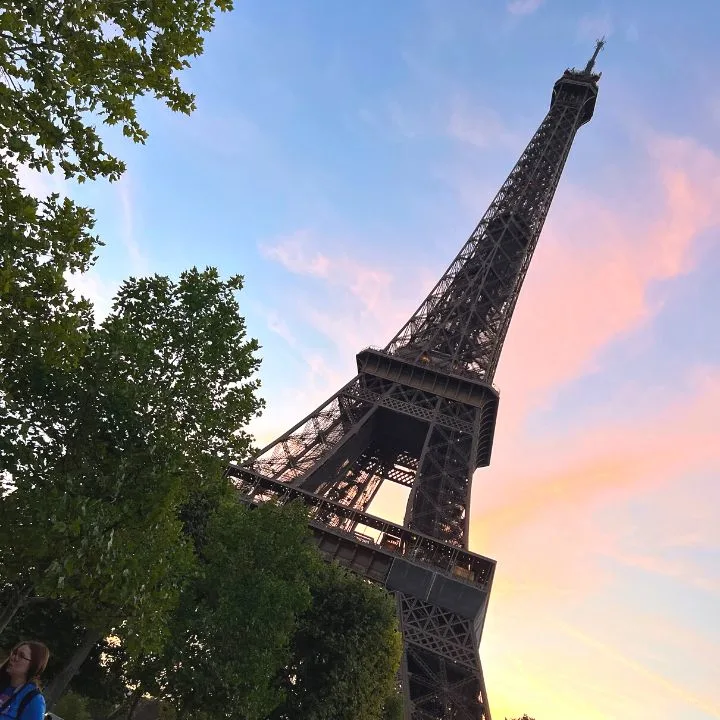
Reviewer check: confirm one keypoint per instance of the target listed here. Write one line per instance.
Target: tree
(393, 707)
(151, 413)
(73, 707)
(231, 634)
(43, 327)
(268, 630)
(66, 63)
(345, 654)
(65, 67)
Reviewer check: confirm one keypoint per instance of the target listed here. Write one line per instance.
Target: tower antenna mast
(599, 45)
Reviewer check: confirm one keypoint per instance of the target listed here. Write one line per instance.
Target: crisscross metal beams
(462, 323)
(421, 412)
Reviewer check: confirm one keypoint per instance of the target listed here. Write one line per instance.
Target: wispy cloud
(407, 123)
(294, 254)
(280, 327)
(349, 303)
(138, 261)
(523, 7)
(452, 114)
(100, 284)
(363, 295)
(479, 127)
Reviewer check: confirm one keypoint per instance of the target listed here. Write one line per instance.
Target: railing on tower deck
(325, 515)
(451, 368)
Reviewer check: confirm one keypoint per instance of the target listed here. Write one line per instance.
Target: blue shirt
(34, 710)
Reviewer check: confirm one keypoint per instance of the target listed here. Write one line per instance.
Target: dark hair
(39, 656)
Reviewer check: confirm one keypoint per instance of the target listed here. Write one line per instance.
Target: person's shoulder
(38, 696)
(31, 687)
(32, 707)
(33, 699)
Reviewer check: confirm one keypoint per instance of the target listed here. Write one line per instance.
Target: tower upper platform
(579, 87)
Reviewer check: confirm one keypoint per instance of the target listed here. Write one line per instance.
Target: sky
(340, 155)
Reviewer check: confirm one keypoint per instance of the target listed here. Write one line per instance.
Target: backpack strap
(25, 701)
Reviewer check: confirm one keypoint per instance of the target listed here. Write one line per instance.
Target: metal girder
(421, 412)
(462, 323)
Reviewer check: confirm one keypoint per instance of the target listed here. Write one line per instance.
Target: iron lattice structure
(421, 412)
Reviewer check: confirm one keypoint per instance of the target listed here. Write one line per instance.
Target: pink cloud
(350, 303)
(590, 281)
(557, 512)
(561, 516)
(369, 303)
(542, 508)
(611, 456)
(536, 506)
(291, 252)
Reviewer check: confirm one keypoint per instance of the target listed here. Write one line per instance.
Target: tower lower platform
(441, 592)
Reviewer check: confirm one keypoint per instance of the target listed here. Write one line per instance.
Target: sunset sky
(341, 154)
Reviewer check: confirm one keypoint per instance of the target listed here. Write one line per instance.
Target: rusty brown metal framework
(421, 412)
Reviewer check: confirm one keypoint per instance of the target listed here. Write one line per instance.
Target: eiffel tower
(421, 412)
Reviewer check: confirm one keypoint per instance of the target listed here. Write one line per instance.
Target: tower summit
(421, 412)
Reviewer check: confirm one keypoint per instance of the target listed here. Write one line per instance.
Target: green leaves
(104, 431)
(66, 61)
(107, 432)
(345, 653)
(267, 630)
(65, 66)
(231, 634)
(144, 417)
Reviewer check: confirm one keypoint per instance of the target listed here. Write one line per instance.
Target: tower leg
(441, 674)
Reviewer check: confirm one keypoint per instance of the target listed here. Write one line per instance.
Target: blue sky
(340, 155)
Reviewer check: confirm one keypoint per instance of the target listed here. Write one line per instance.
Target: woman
(20, 696)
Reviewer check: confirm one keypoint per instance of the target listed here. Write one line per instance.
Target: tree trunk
(57, 687)
(116, 712)
(123, 706)
(17, 599)
(134, 704)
